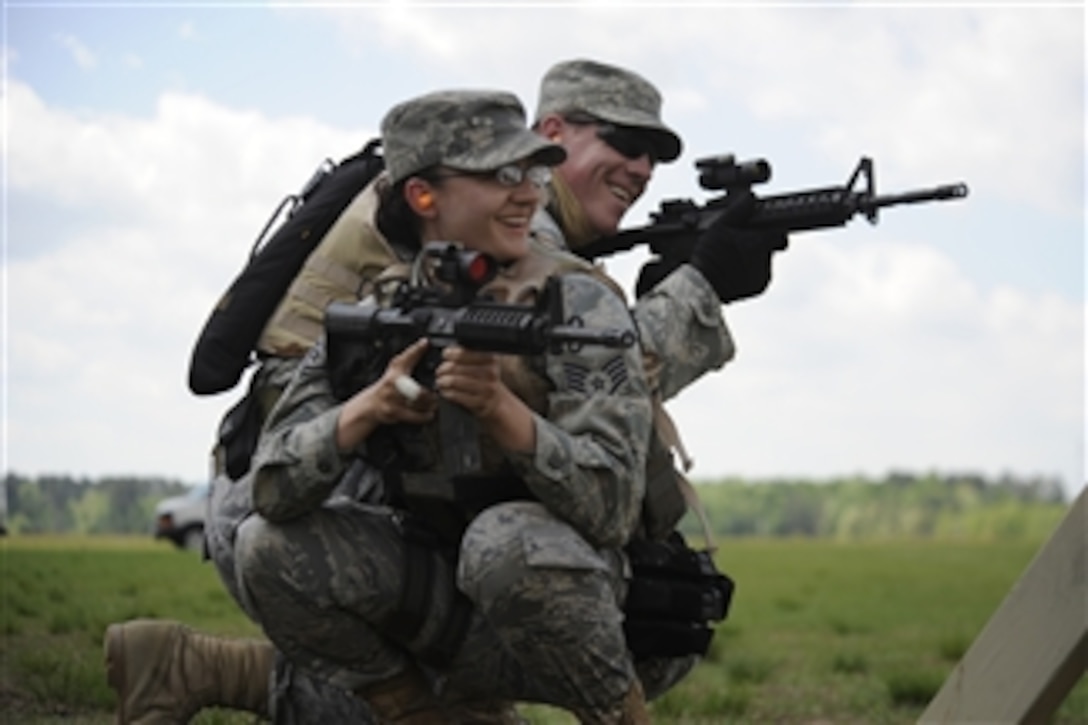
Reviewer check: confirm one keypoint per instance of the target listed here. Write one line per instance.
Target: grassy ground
(820, 632)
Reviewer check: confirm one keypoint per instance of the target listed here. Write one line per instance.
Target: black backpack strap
(422, 547)
(414, 604)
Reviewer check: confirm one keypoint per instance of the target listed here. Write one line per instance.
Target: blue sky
(145, 144)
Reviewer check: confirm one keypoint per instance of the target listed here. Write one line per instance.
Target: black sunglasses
(631, 143)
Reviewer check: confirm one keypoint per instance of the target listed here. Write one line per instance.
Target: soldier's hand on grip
(472, 379)
(735, 260)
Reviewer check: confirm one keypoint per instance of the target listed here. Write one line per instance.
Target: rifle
(362, 337)
(677, 225)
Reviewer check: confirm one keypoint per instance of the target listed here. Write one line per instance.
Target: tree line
(63, 504)
(897, 504)
(930, 505)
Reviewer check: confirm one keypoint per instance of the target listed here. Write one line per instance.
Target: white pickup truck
(181, 519)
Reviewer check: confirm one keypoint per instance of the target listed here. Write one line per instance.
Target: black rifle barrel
(606, 337)
(870, 204)
(947, 191)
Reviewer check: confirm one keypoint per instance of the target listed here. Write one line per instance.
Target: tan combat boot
(634, 710)
(629, 711)
(164, 672)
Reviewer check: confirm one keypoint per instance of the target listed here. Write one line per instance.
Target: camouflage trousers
(546, 624)
(295, 696)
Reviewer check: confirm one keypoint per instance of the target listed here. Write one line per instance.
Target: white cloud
(100, 324)
(930, 90)
(405, 27)
(169, 167)
(81, 54)
(864, 357)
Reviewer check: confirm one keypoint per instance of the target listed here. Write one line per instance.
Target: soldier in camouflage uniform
(543, 573)
(609, 121)
(679, 321)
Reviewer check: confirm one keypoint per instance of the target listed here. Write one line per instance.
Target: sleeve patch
(608, 379)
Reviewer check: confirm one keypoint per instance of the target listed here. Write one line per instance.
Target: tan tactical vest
(342, 267)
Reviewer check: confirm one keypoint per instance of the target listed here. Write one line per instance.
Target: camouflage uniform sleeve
(589, 463)
(682, 329)
(297, 463)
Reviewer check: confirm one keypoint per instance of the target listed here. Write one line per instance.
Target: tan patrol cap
(468, 130)
(609, 93)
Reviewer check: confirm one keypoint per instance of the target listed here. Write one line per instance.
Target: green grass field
(820, 632)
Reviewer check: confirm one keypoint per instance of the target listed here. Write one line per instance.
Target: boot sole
(114, 647)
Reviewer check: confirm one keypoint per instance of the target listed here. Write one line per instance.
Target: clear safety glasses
(509, 175)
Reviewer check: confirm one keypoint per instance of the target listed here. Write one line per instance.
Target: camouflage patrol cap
(609, 93)
(467, 130)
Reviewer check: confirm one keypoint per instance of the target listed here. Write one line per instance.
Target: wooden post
(1034, 649)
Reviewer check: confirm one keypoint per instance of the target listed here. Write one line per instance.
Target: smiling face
(604, 181)
(477, 211)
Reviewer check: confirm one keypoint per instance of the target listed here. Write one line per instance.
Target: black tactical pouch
(675, 594)
(240, 429)
(238, 434)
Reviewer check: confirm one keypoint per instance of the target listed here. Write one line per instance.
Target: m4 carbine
(677, 225)
(361, 338)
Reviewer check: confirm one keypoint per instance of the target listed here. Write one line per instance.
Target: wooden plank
(1034, 649)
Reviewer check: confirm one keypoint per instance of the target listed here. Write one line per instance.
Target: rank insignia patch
(608, 379)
